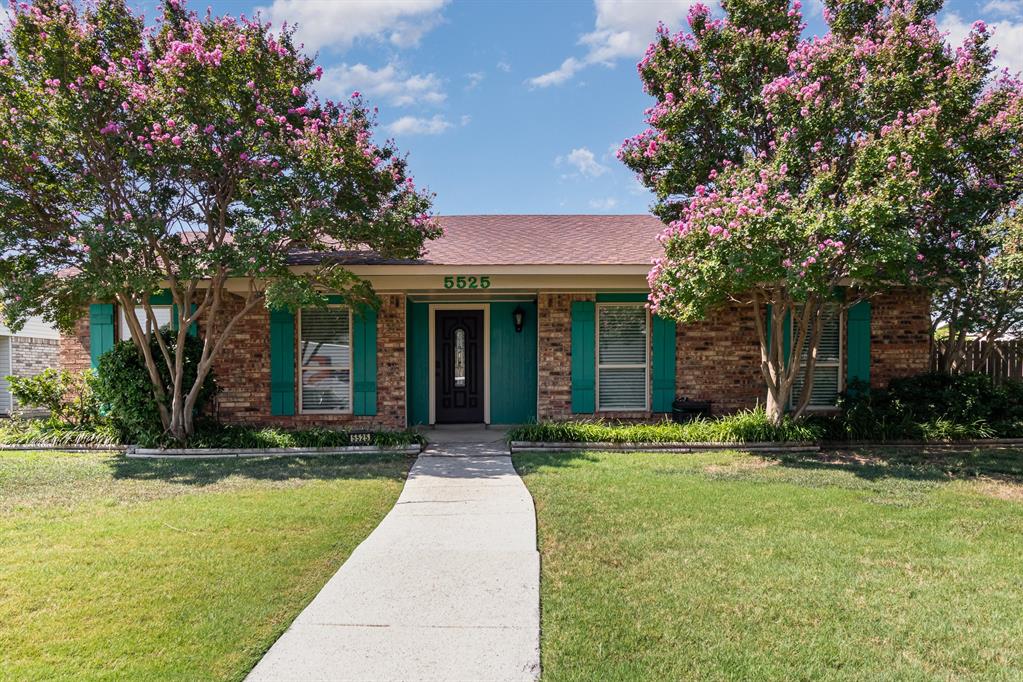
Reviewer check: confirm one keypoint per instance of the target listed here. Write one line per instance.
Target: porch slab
(446, 588)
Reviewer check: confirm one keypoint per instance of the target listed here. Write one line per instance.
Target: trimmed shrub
(930, 407)
(126, 392)
(67, 396)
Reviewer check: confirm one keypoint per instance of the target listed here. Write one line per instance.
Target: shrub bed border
(133, 452)
(67, 448)
(236, 453)
(540, 446)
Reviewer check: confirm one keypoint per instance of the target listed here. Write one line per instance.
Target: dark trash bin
(684, 410)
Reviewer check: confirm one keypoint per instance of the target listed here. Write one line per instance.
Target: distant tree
(188, 156)
(787, 167)
(983, 298)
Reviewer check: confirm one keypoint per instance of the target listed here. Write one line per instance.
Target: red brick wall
(718, 359)
(243, 369)
(74, 349)
(243, 373)
(554, 364)
(900, 335)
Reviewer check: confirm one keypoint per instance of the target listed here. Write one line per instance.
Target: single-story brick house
(27, 353)
(512, 318)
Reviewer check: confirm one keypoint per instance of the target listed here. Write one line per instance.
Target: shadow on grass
(201, 472)
(919, 464)
(526, 463)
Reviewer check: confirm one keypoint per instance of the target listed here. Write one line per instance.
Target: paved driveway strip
(446, 588)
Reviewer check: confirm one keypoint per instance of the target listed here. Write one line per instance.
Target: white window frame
(596, 359)
(351, 365)
(124, 332)
(794, 399)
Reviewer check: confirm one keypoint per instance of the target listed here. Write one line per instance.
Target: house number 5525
(467, 282)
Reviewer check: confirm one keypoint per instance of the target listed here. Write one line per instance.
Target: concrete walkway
(446, 588)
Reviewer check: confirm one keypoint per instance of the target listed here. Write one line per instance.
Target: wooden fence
(1005, 361)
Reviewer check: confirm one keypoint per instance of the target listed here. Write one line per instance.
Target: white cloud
(504, 66)
(413, 125)
(568, 68)
(1010, 8)
(605, 204)
(473, 79)
(333, 24)
(584, 161)
(390, 84)
(1007, 37)
(466, 119)
(624, 28)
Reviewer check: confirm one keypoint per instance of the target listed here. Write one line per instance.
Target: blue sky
(517, 107)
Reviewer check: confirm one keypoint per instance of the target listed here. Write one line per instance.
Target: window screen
(162, 313)
(622, 357)
(326, 360)
(828, 371)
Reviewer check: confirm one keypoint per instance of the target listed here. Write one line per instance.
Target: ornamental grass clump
(747, 426)
(214, 435)
(48, 432)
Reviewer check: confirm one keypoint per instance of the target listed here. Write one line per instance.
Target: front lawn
(730, 566)
(113, 568)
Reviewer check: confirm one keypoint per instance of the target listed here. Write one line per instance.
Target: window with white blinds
(162, 313)
(622, 357)
(827, 375)
(325, 359)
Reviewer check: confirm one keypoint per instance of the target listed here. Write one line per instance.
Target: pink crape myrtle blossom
(786, 169)
(179, 156)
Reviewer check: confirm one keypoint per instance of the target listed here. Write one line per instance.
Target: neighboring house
(26, 353)
(512, 318)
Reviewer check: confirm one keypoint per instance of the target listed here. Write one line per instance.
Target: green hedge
(930, 406)
(749, 426)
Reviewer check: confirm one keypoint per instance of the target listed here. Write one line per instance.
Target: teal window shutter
(101, 330)
(193, 329)
(584, 361)
(282, 362)
(364, 352)
(663, 364)
(858, 343)
(786, 339)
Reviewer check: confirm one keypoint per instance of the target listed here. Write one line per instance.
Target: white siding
(35, 327)
(5, 369)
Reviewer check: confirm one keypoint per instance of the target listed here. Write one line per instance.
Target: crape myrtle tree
(185, 156)
(983, 298)
(786, 167)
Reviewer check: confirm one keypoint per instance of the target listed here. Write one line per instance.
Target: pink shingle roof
(546, 240)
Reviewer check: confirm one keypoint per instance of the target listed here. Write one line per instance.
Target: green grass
(748, 426)
(899, 566)
(120, 569)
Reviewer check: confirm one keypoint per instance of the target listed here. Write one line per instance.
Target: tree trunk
(775, 408)
(780, 366)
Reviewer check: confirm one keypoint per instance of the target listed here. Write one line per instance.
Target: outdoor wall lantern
(519, 315)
